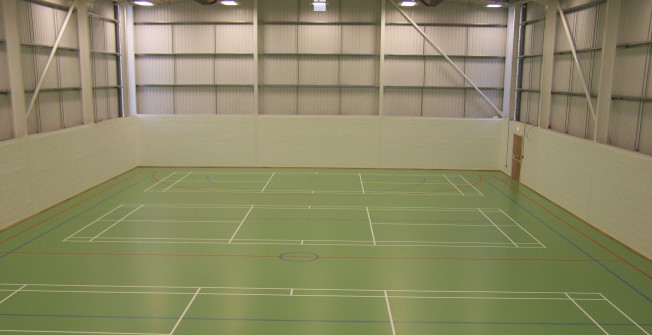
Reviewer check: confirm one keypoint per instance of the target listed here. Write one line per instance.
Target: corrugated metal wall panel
(477, 107)
(235, 100)
(34, 60)
(319, 39)
(278, 101)
(623, 124)
(278, 10)
(600, 25)
(319, 101)
(155, 70)
(530, 108)
(306, 12)
(110, 37)
(72, 108)
(238, 70)
(649, 75)
(578, 117)
(404, 72)
(360, 10)
(645, 142)
(234, 38)
(153, 39)
(279, 70)
(319, 71)
(531, 73)
(195, 100)
(6, 119)
(25, 22)
(558, 113)
(443, 103)
(102, 8)
(360, 40)
(49, 112)
(584, 30)
(484, 15)
(359, 101)
(194, 70)
(628, 77)
(535, 10)
(69, 39)
(193, 39)
(534, 38)
(98, 35)
(101, 97)
(590, 63)
(403, 102)
(4, 74)
(112, 69)
(487, 41)
(561, 41)
(33, 119)
(486, 72)
(100, 76)
(155, 100)
(358, 71)
(2, 27)
(114, 103)
(439, 72)
(452, 40)
(43, 23)
(69, 67)
(635, 15)
(279, 39)
(561, 73)
(403, 40)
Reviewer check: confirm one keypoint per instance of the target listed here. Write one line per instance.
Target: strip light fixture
(319, 5)
(408, 3)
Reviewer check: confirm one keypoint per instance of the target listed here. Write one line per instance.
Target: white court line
(480, 193)
(440, 224)
(457, 188)
(585, 313)
(270, 179)
(625, 315)
(160, 181)
(241, 222)
(90, 224)
(73, 332)
(389, 311)
(185, 311)
(183, 221)
(404, 183)
(532, 236)
(371, 226)
(495, 225)
(176, 182)
(12, 294)
(113, 225)
(361, 183)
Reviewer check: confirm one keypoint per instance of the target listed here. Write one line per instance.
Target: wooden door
(517, 157)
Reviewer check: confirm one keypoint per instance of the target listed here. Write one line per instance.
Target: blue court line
(70, 219)
(174, 318)
(623, 280)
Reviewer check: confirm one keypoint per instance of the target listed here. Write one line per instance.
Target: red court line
(320, 257)
(61, 211)
(576, 229)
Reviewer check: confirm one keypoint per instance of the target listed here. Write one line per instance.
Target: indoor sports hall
(348, 167)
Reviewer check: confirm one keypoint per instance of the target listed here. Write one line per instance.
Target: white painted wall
(296, 141)
(39, 171)
(604, 185)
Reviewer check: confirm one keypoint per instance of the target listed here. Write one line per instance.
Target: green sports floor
(181, 251)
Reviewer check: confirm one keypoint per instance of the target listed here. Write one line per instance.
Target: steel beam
(434, 45)
(607, 64)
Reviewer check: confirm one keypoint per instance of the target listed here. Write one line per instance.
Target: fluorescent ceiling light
(319, 5)
(494, 5)
(408, 3)
(143, 3)
(229, 3)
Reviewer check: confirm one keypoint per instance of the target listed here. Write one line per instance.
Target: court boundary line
(325, 242)
(384, 294)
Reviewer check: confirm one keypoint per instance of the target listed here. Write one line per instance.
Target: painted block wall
(604, 185)
(296, 141)
(39, 171)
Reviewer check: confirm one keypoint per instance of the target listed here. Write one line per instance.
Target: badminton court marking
(306, 225)
(76, 309)
(315, 183)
